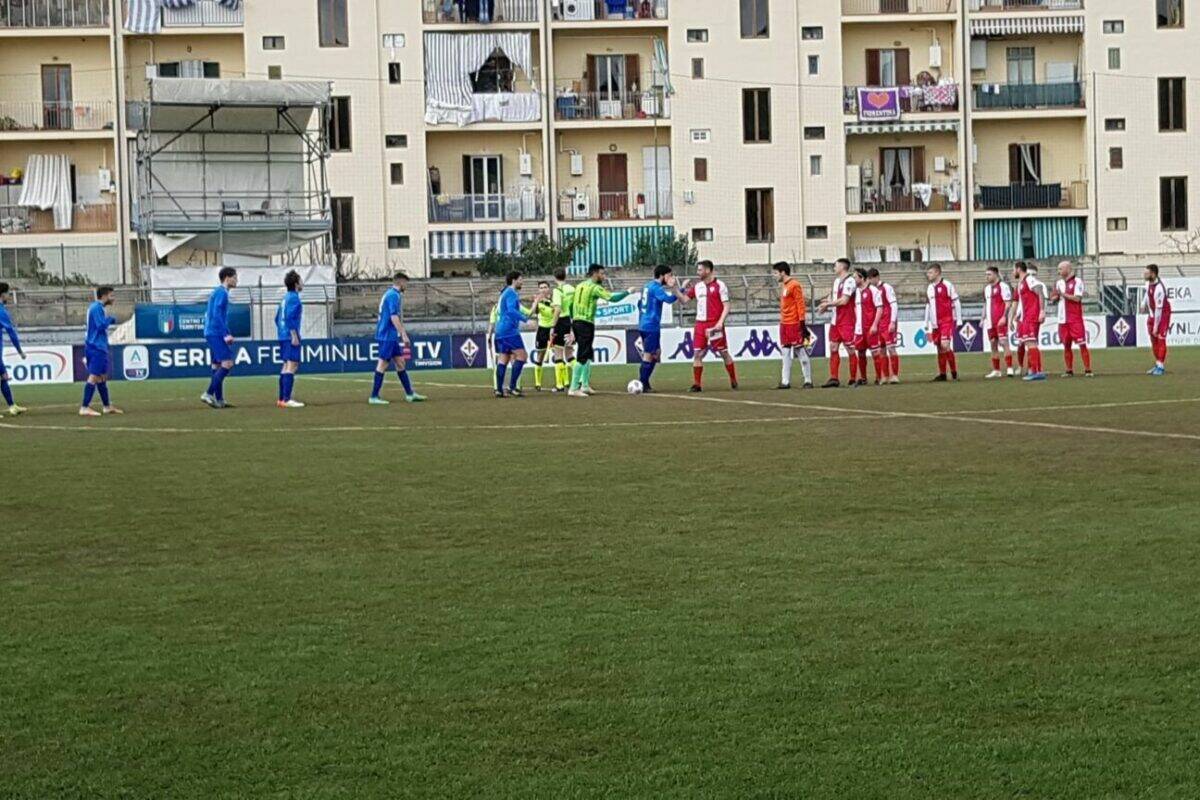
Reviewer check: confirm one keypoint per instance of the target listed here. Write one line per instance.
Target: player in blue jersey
(287, 327)
(219, 339)
(510, 348)
(7, 327)
(392, 341)
(95, 354)
(662, 290)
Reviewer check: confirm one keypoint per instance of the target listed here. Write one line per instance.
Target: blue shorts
(509, 344)
(218, 350)
(97, 360)
(390, 349)
(651, 342)
(289, 351)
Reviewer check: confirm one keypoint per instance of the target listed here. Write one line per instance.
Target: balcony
(54, 14)
(987, 6)
(448, 12)
(204, 14)
(1028, 96)
(96, 115)
(912, 100)
(857, 8)
(612, 11)
(520, 205)
(88, 218)
(573, 105)
(591, 206)
(918, 198)
(1032, 196)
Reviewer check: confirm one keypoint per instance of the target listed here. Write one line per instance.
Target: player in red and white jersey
(1068, 291)
(1157, 305)
(997, 306)
(842, 333)
(1031, 312)
(888, 323)
(943, 316)
(865, 310)
(712, 309)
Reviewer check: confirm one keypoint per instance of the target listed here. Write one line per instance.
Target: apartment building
(892, 130)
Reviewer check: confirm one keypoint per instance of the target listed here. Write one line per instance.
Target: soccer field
(971, 590)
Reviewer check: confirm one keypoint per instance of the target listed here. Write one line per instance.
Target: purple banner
(1122, 331)
(968, 338)
(468, 351)
(878, 103)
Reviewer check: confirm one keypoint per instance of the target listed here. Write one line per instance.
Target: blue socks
(379, 376)
(286, 381)
(404, 381)
(515, 378)
(216, 387)
(102, 388)
(7, 390)
(89, 391)
(500, 370)
(646, 371)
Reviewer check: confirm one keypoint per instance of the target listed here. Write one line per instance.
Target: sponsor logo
(41, 365)
(921, 339)
(166, 321)
(470, 352)
(968, 334)
(135, 363)
(759, 344)
(1122, 329)
(608, 349)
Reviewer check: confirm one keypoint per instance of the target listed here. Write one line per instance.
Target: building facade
(890, 130)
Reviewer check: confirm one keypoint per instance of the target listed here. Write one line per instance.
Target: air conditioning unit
(581, 207)
(578, 10)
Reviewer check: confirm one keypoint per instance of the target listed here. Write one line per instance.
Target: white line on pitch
(1078, 407)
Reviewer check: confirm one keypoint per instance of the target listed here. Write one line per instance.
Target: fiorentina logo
(968, 333)
(1121, 328)
(469, 351)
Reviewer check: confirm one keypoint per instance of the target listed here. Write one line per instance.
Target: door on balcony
(1021, 66)
(1025, 164)
(56, 97)
(611, 81)
(888, 67)
(656, 181)
(613, 169)
(483, 184)
(899, 169)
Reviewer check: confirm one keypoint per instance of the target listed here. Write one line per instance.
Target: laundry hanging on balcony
(451, 59)
(145, 16)
(662, 66)
(48, 186)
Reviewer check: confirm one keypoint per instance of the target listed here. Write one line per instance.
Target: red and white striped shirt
(944, 304)
(1158, 305)
(996, 298)
(711, 299)
(889, 310)
(1069, 310)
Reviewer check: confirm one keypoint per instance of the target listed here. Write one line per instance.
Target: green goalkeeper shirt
(587, 295)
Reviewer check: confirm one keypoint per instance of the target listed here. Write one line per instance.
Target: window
(337, 125)
(1028, 247)
(1021, 65)
(812, 33)
(1170, 13)
(274, 72)
(393, 140)
(1118, 223)
(212, 69)
(343, 224)
(698, 68)
(888, 67)
(397, 171)
(1025, 164)
(394, 75)
(399, 243)
(1114, 124)
(394, 41)
(697, 35)
(496, 75)
(1114, 58)
(814, 132)
(700, 169)
(756, 115)
(1116, 158)
(333, 26)
(814, 65)
(1172, 115)
(816, 232)
(1174, 203)
(760, 215)
(756, 19)
(701, 136)
(1114, 26)
(273, 43)
(189, 69)
(702, 234)
(814, 165)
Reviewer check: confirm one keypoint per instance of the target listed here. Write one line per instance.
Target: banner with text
(42, 364)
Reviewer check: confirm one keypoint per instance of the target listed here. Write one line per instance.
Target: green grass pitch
(972, 590)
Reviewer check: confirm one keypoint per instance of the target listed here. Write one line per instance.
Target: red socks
(1021, 355)
(1035, 360)
(697, 375)
(1086, 355)
(895, 370)
(996, 363)
(952, 361)
(1069, 358)
(853, 367)
(1007, 361)
(835, 364)
(941, 363)
(732, 370)
(862, 364)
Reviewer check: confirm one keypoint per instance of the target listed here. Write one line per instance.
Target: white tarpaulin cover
(194, 284)
(450, 58)
(236, 242)
(47, 184)
(143, 16)
(210, 92)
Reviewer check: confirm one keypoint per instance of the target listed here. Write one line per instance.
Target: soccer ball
(634, 387)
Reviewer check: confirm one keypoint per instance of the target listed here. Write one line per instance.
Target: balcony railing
(612, 10)
(582, 206)
(1013, 96)
(1026, 5)
(916, 198)
(448, 12)
(96, 115)
(854, 8)
(54, 14)
(624, 104)
(1016, 196)
(204, 14)
(521, 205)
(913, 99)
(88, 218)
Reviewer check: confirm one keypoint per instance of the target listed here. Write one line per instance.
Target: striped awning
(474, 244)
(610, 247)
(903, 126)
(1025, 25)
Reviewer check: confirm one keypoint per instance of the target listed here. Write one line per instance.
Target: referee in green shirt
(583, 323)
